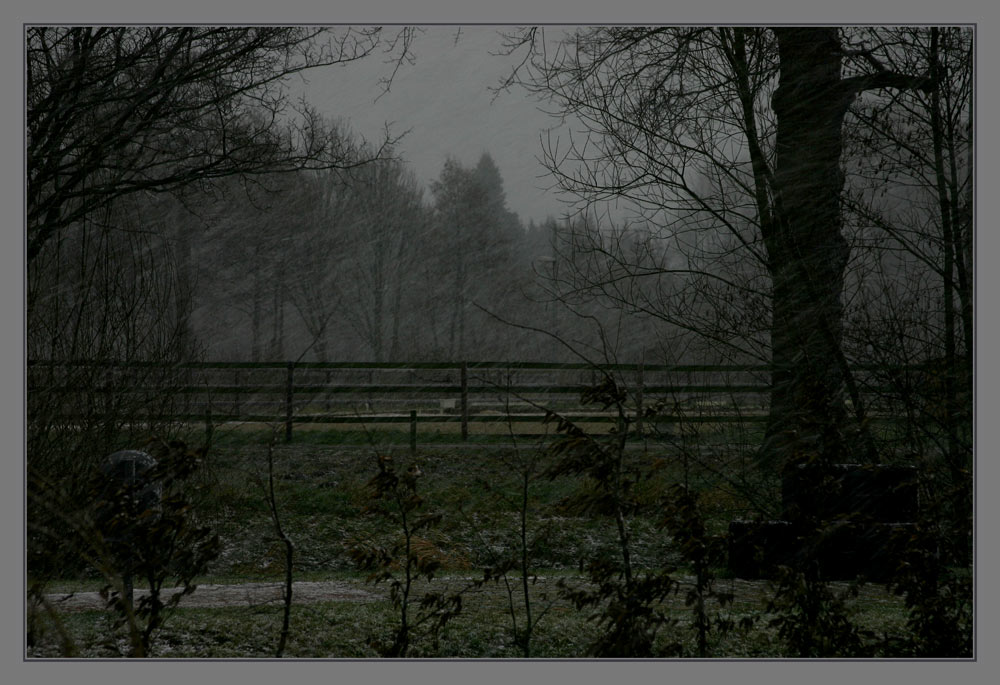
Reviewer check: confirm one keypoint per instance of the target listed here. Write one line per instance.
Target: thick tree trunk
(183, 301)
(378, 307)
(807, 251)
(276, 345)
(255, 316)
(397, 298)
(456, 334)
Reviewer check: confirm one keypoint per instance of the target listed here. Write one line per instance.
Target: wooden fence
(369, 393)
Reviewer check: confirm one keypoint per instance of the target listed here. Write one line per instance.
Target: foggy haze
(444, 104)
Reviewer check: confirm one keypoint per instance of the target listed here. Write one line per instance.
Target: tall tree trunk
(965, 255)
(958, 459)
(183, 290)
(456, 333)
(255, 316)
(948, 239)
(807, 251)
(960, 227)
(276, 345)
(379, 304)
(397, 298)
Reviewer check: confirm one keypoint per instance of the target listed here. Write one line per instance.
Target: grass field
(344, 629)
(322, 495)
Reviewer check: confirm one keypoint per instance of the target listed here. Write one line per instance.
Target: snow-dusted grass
(322, 495)
(344, 628)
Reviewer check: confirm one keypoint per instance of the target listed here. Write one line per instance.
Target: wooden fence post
(288, 403)
(465, 401)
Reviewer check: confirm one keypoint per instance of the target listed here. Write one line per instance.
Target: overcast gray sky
(443, 99)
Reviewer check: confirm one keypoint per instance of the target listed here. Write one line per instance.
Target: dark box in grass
(846, 551)
(757, 548)
(841, 550)
(866, 492)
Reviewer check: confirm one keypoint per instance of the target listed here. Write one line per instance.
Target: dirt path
(247, 594)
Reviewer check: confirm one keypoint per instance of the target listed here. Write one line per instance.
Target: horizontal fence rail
(377, 393)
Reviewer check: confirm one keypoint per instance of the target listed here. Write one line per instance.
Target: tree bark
(256, 314)
(183, 287)
(277, 342)
(807, 251)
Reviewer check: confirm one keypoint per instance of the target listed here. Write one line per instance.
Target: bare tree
(386, 220)
(129, 131)
(113, 111)
(909, 204)
(318, 248)
(920, 145)
(759, 113)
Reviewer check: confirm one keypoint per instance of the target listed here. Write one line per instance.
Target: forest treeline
(342, 264)
(796, 198)
(218, 227)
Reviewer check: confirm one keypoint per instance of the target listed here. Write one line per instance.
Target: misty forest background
(361, 262)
